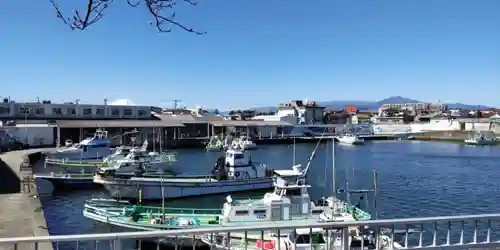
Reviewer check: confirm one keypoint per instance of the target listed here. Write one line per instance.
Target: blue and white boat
(94, 148)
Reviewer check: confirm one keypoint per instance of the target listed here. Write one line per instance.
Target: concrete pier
(21, 213)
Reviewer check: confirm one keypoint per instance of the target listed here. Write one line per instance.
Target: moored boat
(244, 143)
(289, 203)
(482, 138)
(216, 143)
(308, 239)
(67, 180)
(124, 155)
(148, 217)
(93, 148)
(350, 139)
(233, 172)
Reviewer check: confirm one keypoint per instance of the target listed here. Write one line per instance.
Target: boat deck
(179, 179)
(63, 176)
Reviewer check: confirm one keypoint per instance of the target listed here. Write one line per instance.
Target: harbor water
(415, 179)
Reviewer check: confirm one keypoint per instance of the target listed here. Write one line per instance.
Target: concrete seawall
(21, 211)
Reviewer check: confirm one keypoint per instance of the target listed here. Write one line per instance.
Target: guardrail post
(117, 244)
(345, 239)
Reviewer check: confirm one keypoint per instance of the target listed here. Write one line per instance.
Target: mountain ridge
(375, 105)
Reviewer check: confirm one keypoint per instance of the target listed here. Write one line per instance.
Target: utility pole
(176, 102)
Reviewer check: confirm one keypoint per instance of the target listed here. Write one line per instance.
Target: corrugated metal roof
(116, 123)
(210, 118)
(250, 123)
(192, 119)
(187, 119)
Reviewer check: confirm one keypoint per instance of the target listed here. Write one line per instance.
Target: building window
(4, 110)
(115, 112)
(142, 113)
(24, 111)
(99, 112)
(40, 111)
(87, 112)
(56, 111)
(71, 111)
(127, 112)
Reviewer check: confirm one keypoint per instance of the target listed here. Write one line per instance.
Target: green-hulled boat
(140, 217)
(289, 204)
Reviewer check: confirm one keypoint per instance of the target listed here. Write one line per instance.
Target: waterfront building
(308, 112)
(44, 123)
(40, 110)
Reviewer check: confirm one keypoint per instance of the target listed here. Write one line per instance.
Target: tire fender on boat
(237, 174)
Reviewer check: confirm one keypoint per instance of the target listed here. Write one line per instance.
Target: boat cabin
(237, 158)
(289, 198)
(99, 140)
(483, 135)
(235, 165)
(96, 147)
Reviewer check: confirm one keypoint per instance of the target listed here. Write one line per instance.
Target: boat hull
(177, 188)
(481, 142)
(250, 146)
(65, 181)
(352, 142)
(76, 155)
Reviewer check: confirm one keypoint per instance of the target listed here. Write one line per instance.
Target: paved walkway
(21, 214)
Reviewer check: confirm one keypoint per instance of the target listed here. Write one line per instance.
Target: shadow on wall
(9, 180)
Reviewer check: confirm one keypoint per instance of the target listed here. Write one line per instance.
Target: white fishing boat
(288, 203)
(233, 172)
(482, 138)
(89, 166)
(94, 148)
(244, 143)
(216, 143)
(125, 154)
(140, 160)
(350, 139)
(310, 239)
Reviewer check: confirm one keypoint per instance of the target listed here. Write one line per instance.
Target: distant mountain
(396, 100)
(367, 105)
(458, 105)
(374, 105)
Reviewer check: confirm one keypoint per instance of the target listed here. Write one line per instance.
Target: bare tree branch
(95, 11)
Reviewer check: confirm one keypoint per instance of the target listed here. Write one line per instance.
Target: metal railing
(446, 232)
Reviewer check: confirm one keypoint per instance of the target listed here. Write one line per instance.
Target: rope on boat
(313, 154)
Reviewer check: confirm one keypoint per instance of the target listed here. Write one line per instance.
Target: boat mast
(375, 193)
(161, 139)
(333, 169)
(293, 151)
(333, 178)
(154, 139)
(162, 197)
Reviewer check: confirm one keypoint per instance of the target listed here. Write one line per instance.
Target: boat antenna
(293, 151)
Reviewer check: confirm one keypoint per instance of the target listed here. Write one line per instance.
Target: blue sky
(258, 52)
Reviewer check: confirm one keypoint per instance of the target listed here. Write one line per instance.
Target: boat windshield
(76, 146)
(239, 156)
